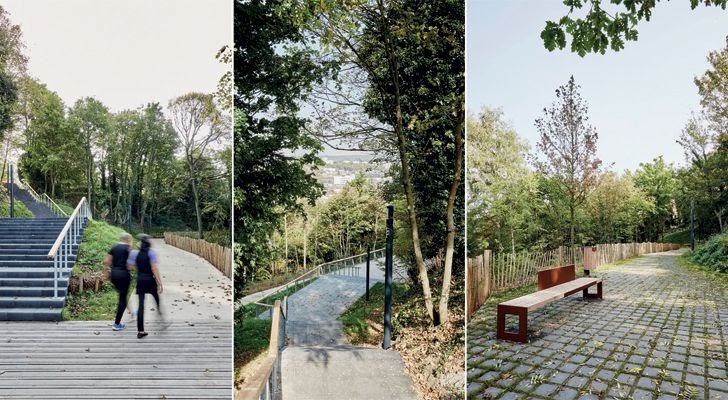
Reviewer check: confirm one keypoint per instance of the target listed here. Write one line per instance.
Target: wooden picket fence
(220, 257)
(490, 273)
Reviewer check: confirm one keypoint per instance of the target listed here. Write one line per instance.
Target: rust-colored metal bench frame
(553, 284)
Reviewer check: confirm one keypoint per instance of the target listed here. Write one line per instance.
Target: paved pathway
(318, 364)
(660, 332)
(194, 290)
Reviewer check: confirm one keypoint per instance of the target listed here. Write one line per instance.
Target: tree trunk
(571, 223)
(450, 249)
(404, 159)
(197, 206)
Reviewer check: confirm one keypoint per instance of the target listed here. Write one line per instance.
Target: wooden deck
(87, 360)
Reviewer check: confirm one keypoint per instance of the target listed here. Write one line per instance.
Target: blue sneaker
(118, 327)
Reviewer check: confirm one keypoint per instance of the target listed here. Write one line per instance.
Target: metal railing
(42, 199)
(62, 249)
(344, 266)
(265, 384)
(347, 266)
(53, 206)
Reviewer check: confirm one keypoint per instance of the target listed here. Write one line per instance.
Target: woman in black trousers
(148, 278)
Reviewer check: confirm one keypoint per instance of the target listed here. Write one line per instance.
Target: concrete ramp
(344, 372)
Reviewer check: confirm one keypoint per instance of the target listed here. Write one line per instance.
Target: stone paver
(660, 332)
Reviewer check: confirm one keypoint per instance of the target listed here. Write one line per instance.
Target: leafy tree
(603, 27)
(713, 90)
(347, 222)
(274, 156)
(568, 144)
(617, 208)
(657, 181)
(89, 119)
(201, 128)
(502, 190)
(415, 111)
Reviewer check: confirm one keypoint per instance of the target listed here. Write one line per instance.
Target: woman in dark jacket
(149, 279)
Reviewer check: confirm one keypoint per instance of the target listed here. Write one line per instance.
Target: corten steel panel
(501, 333)
(597, 295)
(556, 276)
(591, 255)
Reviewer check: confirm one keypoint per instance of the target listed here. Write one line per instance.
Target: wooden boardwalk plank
(87, 360)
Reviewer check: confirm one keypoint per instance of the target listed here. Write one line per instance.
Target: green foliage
(603, 27)
(681, 236)
(618, 208)
(98, 238)
(21, 211)
(349, 221)
(513, 207)
(357, 318)
(503, 191)
(93, 306)
(658, 181)
(251, 338)
(713, 254)
(274, 71)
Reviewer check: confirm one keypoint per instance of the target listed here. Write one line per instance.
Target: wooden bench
(553, 284)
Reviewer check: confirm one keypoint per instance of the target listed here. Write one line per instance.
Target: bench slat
(541, 298)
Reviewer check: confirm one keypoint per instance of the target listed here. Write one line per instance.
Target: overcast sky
(639, 98)
(124, 53)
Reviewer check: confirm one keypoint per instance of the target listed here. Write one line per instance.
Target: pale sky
(639, 98)
(124, 53)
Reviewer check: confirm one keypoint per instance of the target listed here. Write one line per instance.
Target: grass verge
(88, 305)
(252, 335)
(21, 211)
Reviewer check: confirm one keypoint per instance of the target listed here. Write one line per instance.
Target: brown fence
(489, 273)
(220, 257)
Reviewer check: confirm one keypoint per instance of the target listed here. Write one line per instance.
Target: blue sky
(639, 98)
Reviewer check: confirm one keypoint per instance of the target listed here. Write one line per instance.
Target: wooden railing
(265, 383)
(220, 257)
(489, 273)
(62, 249)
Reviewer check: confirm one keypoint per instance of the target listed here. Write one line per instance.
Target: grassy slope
(21, 211)
(99, 237)
(252, 335)
(713, 254)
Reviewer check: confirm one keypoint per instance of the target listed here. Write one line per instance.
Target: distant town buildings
(342, 169)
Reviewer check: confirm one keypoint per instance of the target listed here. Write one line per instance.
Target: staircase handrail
(44, 199)
(325, 267)
(55, 207)
(29, 188)
(63, 246)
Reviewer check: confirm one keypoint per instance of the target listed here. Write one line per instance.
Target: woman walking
(116, 260)
(149, 279)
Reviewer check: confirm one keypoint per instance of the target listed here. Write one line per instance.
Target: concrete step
(48, 273)
(39, 283)
(20, 246)
(30, 314)
(31, 302)
(18, 291)
(29, 264)
(26, 257)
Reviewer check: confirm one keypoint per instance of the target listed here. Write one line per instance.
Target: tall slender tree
(568, 145)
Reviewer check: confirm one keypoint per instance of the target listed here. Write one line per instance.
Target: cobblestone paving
(660, 332)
